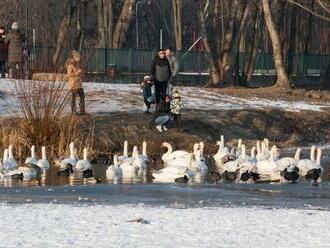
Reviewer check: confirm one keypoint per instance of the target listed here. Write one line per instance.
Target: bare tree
(282, 77)
(177, 4)
(122, 25)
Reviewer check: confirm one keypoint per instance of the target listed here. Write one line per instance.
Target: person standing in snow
(175, 109)
(146, 86)
(3, 52)
(174, 65)
(15, 41)
(74, 73)
(161, 72)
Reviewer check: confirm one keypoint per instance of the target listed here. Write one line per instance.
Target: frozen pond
(299, 195)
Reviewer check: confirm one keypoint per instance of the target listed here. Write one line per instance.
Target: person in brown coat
(15, 41)
(3, 52)
(74, 73)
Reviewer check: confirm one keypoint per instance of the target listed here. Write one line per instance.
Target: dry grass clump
(43, 119)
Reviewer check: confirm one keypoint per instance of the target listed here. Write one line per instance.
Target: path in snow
(107, 98)
(49, 225)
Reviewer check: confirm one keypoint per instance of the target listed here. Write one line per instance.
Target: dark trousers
(74, 94)
(160, 90)
(147, 94)
(2, 69)
(177, 121)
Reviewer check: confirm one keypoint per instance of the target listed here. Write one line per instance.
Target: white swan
(197, 169)
(71, 160)
(10, 163)
(32, 160)
(267, 169)
(288, 167)
(144, 155)
(311, 169)
(123, 157)
(170, 173)
(130, 167)
(43, 162)
(114, 171)
(83, 164)
(172, 155)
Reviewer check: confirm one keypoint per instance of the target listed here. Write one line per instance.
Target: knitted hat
(14, 25)
(147, 78)
(75, 55)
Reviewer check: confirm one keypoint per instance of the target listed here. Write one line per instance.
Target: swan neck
(33, 154)
(115, 161)
(222, 140)
(243, 152)
(85, 154)
(318, 156)
(11, 151)
(126, 148)
(71, 150)
(297, 155)
(312, 155)
(144, 148)
(43, 153)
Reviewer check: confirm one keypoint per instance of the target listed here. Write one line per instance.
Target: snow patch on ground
(52, 225)
(109, 98)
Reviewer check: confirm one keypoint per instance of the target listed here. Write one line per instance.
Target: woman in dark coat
(161, 72)
(15, 41)
(3, 52)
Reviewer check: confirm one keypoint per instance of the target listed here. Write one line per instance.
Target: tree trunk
(64, 27)
(214, 73)
(123, 23)
(177, 23)
(282, 77)
(252, 50)
(100, 24)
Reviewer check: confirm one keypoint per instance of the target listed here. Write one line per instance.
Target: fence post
(130, 63)
(106, 62)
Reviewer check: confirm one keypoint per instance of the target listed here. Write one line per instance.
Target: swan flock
(230, 164)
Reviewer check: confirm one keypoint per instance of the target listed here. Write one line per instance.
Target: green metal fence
(129, 61)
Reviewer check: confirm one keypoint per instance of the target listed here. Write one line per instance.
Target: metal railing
(129, 61)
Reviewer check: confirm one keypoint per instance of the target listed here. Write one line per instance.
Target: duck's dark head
(230, 176)
(245, 176)
(313, 174)
(292, 175)
(70, 168)
(216, 176)
(183, 179)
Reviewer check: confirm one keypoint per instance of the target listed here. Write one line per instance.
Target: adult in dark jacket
(3, 52)
(161, 72)
(15, 40)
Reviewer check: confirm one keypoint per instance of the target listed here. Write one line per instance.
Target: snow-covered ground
(52, 225)
(107, 98)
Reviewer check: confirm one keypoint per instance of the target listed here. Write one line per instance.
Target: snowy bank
(51, 225)
(109, 98)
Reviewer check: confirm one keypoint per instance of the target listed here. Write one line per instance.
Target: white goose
(83, 164)
(43, 162)
(124, 157)
(311, 169)
(114, 171)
